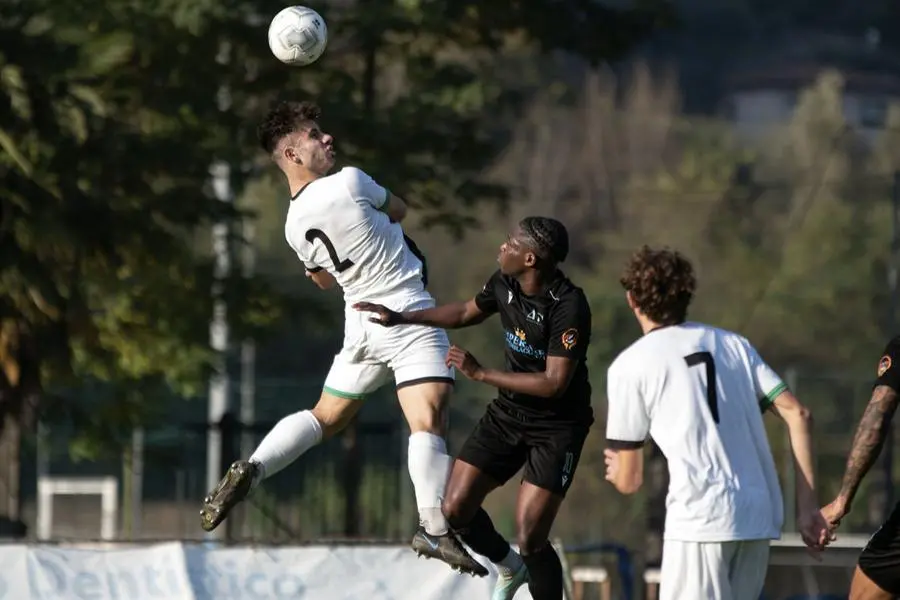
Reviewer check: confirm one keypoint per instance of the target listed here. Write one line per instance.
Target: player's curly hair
(548, 237)
(285, 118)
(661, 283)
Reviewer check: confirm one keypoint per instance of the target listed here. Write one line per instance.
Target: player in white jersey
(345, 229)
(700, 393)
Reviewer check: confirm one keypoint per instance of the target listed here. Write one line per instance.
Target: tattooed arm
(871, 432)
(867, 443)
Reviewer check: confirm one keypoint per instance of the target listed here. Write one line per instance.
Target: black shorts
(506, 439)
(880, 559)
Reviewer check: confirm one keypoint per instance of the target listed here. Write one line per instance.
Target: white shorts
(713, 570)
(372, 353)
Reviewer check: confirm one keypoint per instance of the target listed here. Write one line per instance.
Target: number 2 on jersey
(712, 399)
(339, 265)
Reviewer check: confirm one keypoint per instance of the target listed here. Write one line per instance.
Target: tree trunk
(20, 393)
(10, 469)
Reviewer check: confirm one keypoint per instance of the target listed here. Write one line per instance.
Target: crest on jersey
(535, 317)
(569, 338)
(883, 365)
(520, 334)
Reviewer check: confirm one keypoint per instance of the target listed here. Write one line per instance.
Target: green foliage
(103, 191)
(789, 236)
(113, 112)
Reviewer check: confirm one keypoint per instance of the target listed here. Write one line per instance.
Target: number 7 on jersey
(712, 399)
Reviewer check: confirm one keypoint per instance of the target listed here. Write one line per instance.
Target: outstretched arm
(447, 316)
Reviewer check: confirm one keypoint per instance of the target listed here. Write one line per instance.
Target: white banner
(52, 573)
(195, 572)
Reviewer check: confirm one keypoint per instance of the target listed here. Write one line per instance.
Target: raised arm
(366, 190)
(394, 208)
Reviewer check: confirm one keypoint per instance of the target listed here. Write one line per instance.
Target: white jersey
(336, 223)
(699, 392)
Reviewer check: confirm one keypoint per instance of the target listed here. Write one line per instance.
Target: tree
(113, 113)
(102, 193)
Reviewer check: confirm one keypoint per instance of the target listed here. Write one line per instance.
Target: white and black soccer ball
(298, 36)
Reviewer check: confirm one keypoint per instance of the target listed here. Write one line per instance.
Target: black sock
(545, 576)
(481, 536)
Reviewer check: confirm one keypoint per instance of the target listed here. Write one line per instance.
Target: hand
(383, 315)
(611, 458)
(834, 513)
(814, 530)
(464, 362)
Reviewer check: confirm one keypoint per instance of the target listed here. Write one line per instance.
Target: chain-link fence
(357, 485)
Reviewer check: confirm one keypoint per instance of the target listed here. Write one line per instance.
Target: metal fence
(357, 485)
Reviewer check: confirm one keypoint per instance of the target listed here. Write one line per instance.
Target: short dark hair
(548, 237)
(283, 119)
(661, 283)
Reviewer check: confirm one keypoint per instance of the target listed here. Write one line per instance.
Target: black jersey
(555, 322)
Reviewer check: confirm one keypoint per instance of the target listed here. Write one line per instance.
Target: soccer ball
(298, 36)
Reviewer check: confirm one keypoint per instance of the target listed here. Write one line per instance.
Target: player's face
(515, 256)
(314, 149)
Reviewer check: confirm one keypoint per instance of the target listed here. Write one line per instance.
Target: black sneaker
(448, 549)
(233, 488)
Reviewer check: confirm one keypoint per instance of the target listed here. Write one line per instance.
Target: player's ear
(629, 300)
(290, 155)
(530, 259)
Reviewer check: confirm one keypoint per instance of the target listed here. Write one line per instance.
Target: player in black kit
(877, 575)
(542, 415)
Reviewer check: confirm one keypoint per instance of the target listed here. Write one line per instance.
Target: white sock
(291, 437)
(511, 563)
(429, 467)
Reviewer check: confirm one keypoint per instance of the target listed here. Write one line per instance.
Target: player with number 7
(700, 393)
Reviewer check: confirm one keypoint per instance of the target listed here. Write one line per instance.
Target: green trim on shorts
(344, 395)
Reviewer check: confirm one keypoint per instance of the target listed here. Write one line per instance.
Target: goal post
(49, 487)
